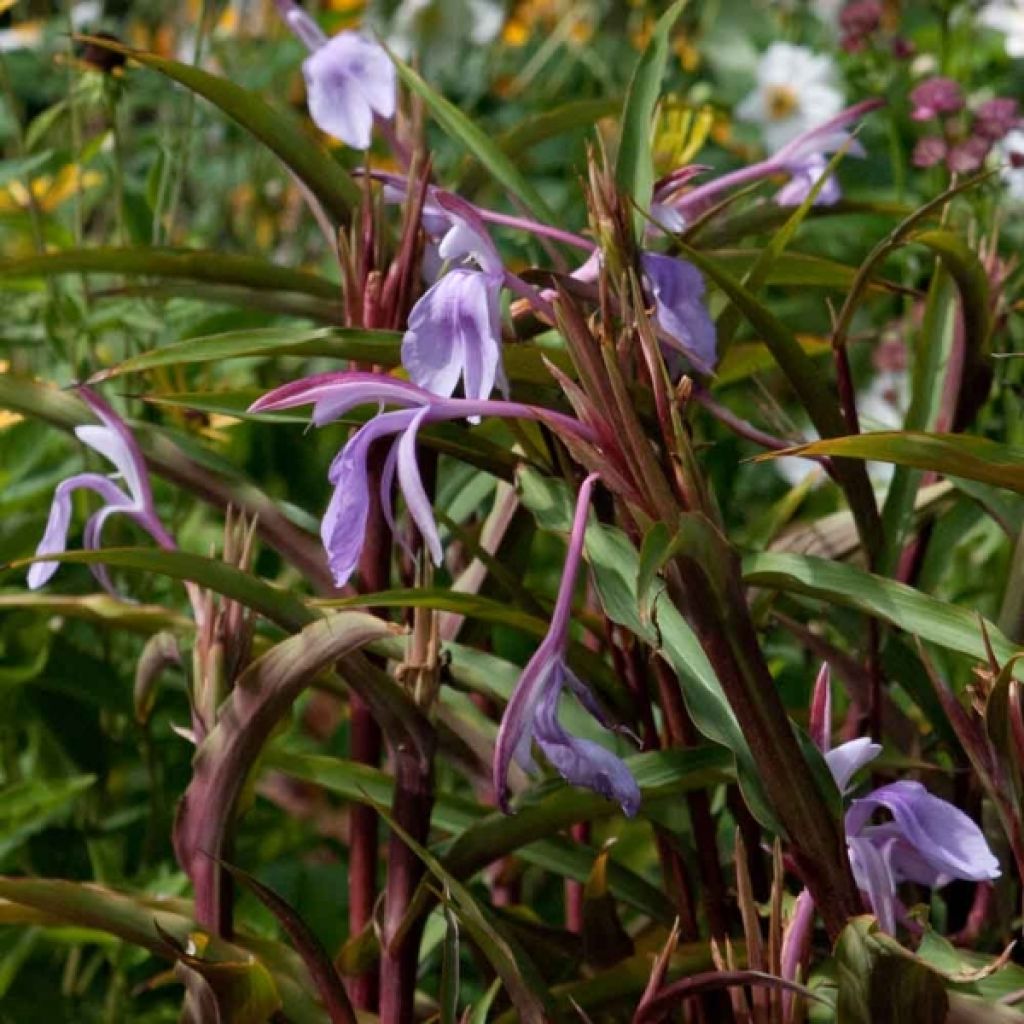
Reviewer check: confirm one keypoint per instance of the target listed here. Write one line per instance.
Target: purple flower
(929, 151)
(349, 79)
(805, 176)
(134, 498)
(995, 117)
(968, 155)
(935, 97)
(455, 327)
(798, 158)
(928, 841)
(343, 528)
(677, 289)
(532, 712)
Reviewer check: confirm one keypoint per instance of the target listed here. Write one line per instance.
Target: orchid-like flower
(532, 712)
(454, 329)
(675, 288)
(343, 528)
(927, 840)
(801, 159)
(133, 498)
(349, 78)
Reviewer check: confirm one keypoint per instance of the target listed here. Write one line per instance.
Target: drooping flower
(802, 159)
(532, 712)
(927, 840)
(349, 78)
(454, 329)
(343, 528)
(796, 89)
(133, 498)
(1006, 16)
(936, 97)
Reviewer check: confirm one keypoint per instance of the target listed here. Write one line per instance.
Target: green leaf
(278, 131)
(467, 133)
(261, 697)
(337, 343)
(29, 806)
(571, 116)
(518, 973)
(634, 166)
(662, 776)
(809, 386)
(164, 927)
(201, 266)
(882, 983)
(100, 610)
(956, 629)
(955, 455)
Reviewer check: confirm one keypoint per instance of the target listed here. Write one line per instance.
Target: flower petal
(348, 79)
(582, 762)
(941, 833)
(416, 499)
(334, 394)
(120, 447)
(516, 729)
(847, 759)
(872, 871)
(677, 289)
(54, 540)
(453, 333)
(343, 528)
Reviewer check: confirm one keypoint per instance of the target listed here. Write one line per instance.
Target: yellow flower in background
(680, 134)
(49, 191)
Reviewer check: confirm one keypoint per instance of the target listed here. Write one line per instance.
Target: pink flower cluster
(965, 138)
(861, 25)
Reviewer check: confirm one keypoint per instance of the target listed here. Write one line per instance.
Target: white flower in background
(1006, 16)
(1011, 156)
(796, 90)
(438, 31)
(882, 405)
(28, 35)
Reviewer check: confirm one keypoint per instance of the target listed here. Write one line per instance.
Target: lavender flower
(927, 840)
(349, 79)
(113, 440)
(677, 289)
(799, 159)
(455, 328)
(532, 713)
(343, 528)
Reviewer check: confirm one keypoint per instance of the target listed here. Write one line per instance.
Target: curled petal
(118, 445)
(677, 289)
(54, 540)
(343, 528)
(467, 235)
(872, 870)
(304, 27)
(416, 499)
(516, 730)
(454, 332)
(941, 833)
(582, 762)
(848, 758)
(334, 394)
